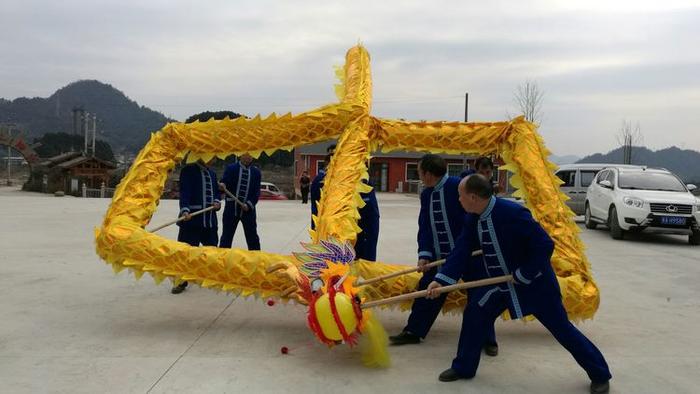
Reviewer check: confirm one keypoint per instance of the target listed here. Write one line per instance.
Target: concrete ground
(68, 324)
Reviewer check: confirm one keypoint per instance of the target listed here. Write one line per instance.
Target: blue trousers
(198, 235)
(478, 321)
(424, 312)
(230, 223)
(366, 245)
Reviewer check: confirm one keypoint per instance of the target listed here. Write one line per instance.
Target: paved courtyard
(68, 324)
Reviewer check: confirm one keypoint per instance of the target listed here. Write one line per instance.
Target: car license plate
(673, 220)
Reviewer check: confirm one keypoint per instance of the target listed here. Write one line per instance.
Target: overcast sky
(598, 62)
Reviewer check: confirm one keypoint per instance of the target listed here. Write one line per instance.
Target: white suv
(642, 199)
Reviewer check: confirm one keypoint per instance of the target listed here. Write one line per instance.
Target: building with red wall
(389, 172)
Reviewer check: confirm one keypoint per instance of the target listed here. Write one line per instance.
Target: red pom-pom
(270, 302)
(284, 350)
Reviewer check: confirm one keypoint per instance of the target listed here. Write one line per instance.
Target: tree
(53, 144)
(628, 137)
(207, 115)
(528, 99)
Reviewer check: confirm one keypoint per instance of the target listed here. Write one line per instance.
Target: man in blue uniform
(198, 190)
(243, 181)
(439, 224)
(484, 166)
(366, 244)
(512, 243)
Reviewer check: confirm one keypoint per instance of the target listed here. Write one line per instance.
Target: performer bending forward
(512, 243)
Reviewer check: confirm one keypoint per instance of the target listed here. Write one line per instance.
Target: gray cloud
(598, 62)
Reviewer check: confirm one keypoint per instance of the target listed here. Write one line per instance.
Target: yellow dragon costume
(123, 242)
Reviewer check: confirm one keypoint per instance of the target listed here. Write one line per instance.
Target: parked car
(642, 199)
(577, 178)
(268, 191)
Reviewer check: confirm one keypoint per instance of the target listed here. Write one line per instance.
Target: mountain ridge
(683, 162)
(121, 121)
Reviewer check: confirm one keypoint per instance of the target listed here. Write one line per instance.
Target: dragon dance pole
(440, 290)
(181, 218)
(406, 271)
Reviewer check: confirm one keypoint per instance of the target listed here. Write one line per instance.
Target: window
(320, 165)
(610, 176)
(647, 180)
(569, 178)
(412, 172)
(601, 176)
(454, 169)
(496, 175)
(587, 177)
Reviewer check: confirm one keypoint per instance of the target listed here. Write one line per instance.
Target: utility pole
(86, 117)
(94, 131)
(466, 107)
(78, 114)
(466, 119)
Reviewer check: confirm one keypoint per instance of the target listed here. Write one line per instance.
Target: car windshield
(650, 181)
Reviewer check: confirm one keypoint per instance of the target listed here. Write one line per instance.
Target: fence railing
(415, 187)
(102, 192)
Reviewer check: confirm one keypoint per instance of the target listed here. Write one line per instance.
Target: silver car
(577, 178)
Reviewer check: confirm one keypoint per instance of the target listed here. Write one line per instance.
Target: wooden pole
(406, 271)
(181, 218)
(440, 290)
(228, 193)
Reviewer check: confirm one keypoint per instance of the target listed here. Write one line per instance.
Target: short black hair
(479, 185)
(330, 148)
(483, 161)
(433, 164)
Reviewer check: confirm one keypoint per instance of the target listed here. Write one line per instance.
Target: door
(596, 195)
(569, 188)
(585, 179)
(606, 195)
(378, 176)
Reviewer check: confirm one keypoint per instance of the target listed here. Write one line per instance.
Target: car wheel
(615, 230)
(588, 220)
(694, 238)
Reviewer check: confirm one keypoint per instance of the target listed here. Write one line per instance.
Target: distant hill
(123, 123)
(683, 162)
(566, 159)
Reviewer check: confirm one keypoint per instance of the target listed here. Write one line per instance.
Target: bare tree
(528, 99)
(628, 137)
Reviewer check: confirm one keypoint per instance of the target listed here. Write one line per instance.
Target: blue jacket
(244, 183)
(440, 220)
(369, 214)
(198, 190)
(315, 192)
(512, 243)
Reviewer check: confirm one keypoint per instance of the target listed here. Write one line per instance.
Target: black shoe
(600, 387)
(405, 338)
(179, 288)
(491, 349)
(449, 375)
